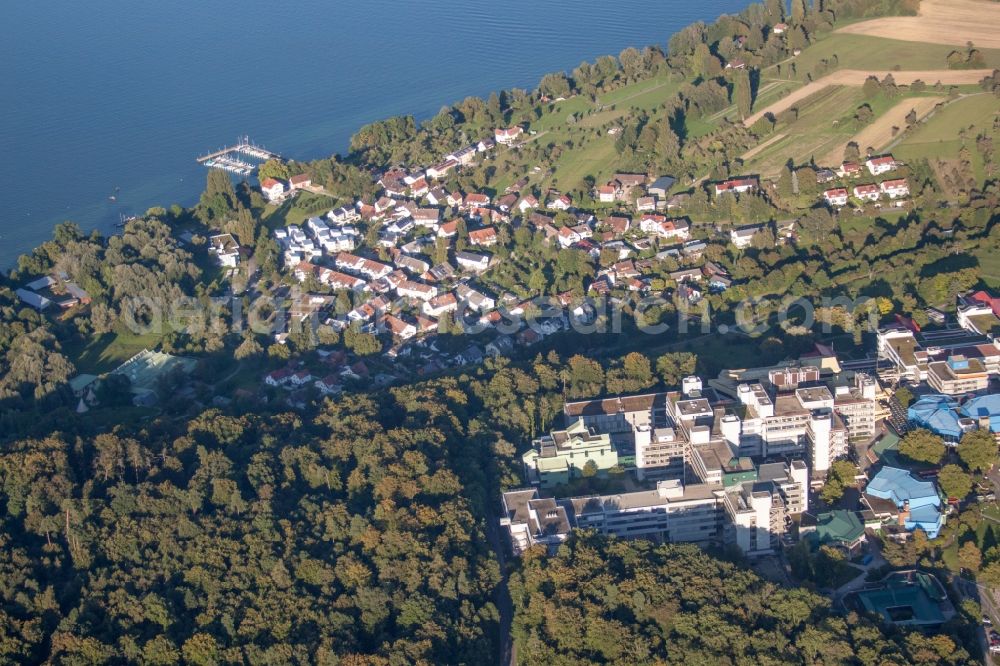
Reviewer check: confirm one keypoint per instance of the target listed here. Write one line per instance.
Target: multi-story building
(758, 512)
(531, 519)
(857, 406)
(562, 455)
(958, 374)
(978, 318)
(792, 423)
(672, 512)
(752, 512)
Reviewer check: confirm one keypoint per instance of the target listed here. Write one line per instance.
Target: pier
(234, 158)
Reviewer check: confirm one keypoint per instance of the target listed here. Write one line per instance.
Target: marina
(234, 159)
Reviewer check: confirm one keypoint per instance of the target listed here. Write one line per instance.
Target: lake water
(119, 97)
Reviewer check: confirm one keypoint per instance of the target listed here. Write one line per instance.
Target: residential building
(895, 188)
(836, 197)
(398, 328)
(470, 261)
(440, 304)
(485, 237)
(737, 185)
(508, 136)
(225, 249)
(868, 192)
(272, 189)
(607, 193)
(299, 182)
(474, 299)
(849, 170)
(419, 290)
(879, 165)
(743, 236)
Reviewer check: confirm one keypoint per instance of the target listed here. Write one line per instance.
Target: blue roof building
(917, 501)
(938, 413)
(984, 406)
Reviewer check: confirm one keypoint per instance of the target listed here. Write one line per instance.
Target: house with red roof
(607, 193)
(507, 136)
(881, 164)
(895, 188)
(736, 185)
(985, 299)
(272, 189)
(836, 197)
(485, 237)
(867, 192)
(279, 377)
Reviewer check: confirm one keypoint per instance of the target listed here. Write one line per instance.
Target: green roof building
(839, 528)
(562, 455)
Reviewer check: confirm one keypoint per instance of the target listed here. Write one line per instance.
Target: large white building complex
(729, 463)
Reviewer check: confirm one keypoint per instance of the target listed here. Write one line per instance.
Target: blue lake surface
(119, 97)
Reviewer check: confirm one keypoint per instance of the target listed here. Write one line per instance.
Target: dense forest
(604, 601)
(353, 537)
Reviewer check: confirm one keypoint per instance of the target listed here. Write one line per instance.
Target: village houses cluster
(893, 188)
(401, 292)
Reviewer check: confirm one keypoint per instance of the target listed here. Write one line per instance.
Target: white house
(867, 192)
(278, 377)
(411, 289)
(567, 237)
(474, 299)
(895, 188)
(561, 202)
(508, 136)
(607, 193)
(836, 197)
(399, 328)
(440, 304)
(225, 249)
(527, 202)
(272, 189)
(329, 385)
(738, 185)
(344, 215)
(743, 236)
(645, 204)
(472, 262)
(879, 165)
(441, 169)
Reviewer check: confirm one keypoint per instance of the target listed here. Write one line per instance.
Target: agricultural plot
(952, 22)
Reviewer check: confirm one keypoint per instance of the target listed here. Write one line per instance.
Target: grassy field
(938, 138)
(814, 134)
(876, 53)
(975, 111)
(106, 352)
(824, 126)
(297, 210)
(989, 266)
(589, 155)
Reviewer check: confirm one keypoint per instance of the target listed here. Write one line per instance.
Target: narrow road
(501, 595)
